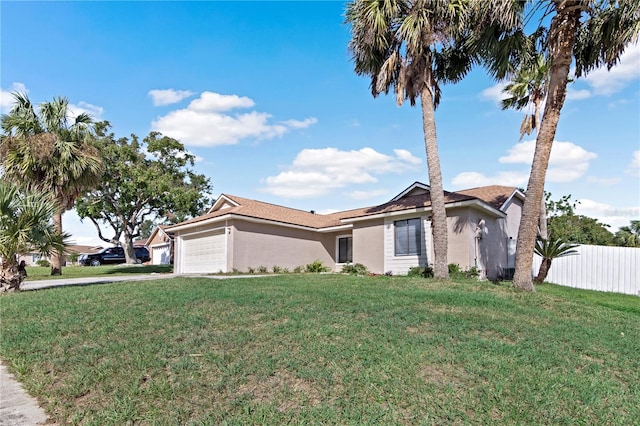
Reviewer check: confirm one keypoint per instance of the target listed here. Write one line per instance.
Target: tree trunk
(129, 252)
(544, 233)
(439, 215)
(56, 256)
(10, 278)
(543, 271)
(562, 37)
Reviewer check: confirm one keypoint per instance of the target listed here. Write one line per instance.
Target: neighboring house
(238, 234)
(160, 245)
(31, 258)
(142, 242)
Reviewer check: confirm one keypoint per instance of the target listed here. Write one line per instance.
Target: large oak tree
(142, 179)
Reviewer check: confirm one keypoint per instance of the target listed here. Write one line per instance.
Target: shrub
(276, 269)
(251, 270)
(298, 269)
(286, 271)
(421, 271)
(355, 269)
(43, 262)
(456, 272)
(262, 269)
(316, 267)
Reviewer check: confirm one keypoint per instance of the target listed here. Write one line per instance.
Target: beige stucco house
(160, 245)
(239, 233)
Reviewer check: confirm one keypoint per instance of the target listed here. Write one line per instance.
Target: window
(407, 237)
(345, 249)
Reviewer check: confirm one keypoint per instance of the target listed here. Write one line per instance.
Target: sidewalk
(62, 282)
(17, 408)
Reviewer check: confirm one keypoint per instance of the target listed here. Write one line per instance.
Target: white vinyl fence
(602, 268)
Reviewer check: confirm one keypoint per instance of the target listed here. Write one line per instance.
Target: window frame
(417, 236)
(338, 238)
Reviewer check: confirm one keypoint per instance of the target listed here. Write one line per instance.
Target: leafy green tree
(549, 250)
(142, 180)
(48, 152)
(628, 236)
(567, 226)
(25, 225)
(410, 46)
(586, 33)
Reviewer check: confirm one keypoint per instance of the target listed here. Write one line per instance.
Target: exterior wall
(400, 265)
(160, 239)
(367, 247)
(460, 238)
(255, 245)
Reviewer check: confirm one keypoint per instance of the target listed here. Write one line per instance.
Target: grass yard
(325, 349)
(37, 273)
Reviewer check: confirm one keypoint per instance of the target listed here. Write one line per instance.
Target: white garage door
(161, 255)
(204, 253)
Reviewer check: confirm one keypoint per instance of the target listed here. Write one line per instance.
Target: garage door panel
(205, 253)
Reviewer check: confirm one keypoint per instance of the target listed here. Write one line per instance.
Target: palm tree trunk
(562, 37)
(543, 271)
(542, 221)
(56, 256)
(10, 278)
(439, 222)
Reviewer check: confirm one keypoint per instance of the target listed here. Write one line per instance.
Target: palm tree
(549, 250)
(593, 33)
(47, 154)
(408, 45)
(528, 89)
(24, 226)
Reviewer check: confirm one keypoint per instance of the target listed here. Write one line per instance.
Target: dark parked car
(112, 255)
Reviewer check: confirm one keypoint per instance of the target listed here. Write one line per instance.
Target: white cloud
(297, 124)
(205, 123)
(405, 155)
(576, 95)
(6, 99)
(494, 93)
(603, 181)
(634, 166)
(615, 217)
(567, 163)
(367, 195)
(168, 96)
(607, 82)
(83, 107)
(475, 179)
(316, 172)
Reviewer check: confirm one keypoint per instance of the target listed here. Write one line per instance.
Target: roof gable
(417, 188)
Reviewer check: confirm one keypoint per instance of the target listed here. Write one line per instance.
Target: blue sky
(265, 95)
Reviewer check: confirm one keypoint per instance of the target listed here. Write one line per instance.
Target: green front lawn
(325, 349)
(36, 273)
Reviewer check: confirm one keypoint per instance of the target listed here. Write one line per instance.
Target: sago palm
(549, 250)
(47, 152)
(408, 46)
(24, 226)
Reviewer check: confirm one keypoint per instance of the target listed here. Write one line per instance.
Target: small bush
(276, 269)
(316, 267)
(298, 269)
(456, 272)
(355, 269)
(262, 269)
(251, 270)
(43, 262)
(420, 271)
(285, 271)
